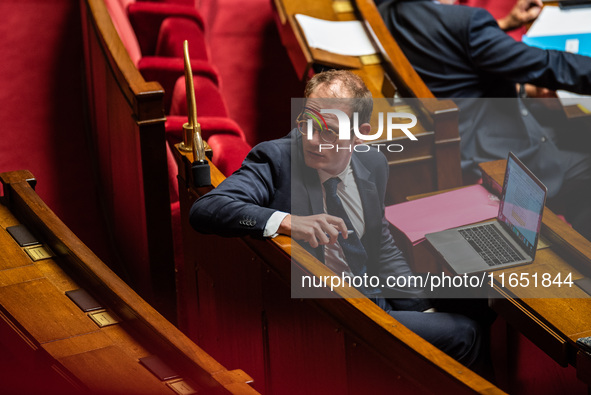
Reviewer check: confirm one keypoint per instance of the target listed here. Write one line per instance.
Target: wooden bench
(433, 162)
(52, 345)
(235, 301)
(130, 129)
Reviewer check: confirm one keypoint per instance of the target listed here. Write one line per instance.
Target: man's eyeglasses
(326, 134)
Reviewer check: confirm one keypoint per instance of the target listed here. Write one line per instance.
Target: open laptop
(509, 240)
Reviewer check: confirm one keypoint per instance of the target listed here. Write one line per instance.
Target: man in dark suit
(461, 53)
(284, 187)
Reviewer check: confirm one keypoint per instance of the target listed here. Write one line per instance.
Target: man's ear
(364, 128)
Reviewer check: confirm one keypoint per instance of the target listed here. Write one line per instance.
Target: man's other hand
(320, 229)
(539, 92)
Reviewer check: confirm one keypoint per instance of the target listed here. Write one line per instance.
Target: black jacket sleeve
(241, 204)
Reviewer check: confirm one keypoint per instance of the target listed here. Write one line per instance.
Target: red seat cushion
(147, 17)
(167, 71)
(173, 32)
(209, 101)
(228, 152)
(124, 29)
(223, 135)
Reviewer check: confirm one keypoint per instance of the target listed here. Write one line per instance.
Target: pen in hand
(349, 233)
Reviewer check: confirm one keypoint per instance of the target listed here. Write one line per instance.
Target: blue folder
(560, 42)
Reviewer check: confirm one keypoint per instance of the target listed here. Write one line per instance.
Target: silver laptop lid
(522, 204)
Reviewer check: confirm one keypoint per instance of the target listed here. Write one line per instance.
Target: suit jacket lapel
(312, 182)
(306, 197)
(306, 192)
(368, 193)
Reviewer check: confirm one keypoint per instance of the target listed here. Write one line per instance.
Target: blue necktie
(352, 247)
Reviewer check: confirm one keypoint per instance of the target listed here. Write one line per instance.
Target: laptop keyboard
(491, 245)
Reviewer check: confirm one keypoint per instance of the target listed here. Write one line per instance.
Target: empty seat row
(153, 34)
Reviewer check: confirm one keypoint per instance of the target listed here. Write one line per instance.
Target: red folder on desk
(443, 211)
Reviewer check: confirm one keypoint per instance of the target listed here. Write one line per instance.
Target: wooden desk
(430, 164)
(552, 317)
(49, 345)
(235, 301)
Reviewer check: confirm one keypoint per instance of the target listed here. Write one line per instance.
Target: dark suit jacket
(460, 52)
(274, 177)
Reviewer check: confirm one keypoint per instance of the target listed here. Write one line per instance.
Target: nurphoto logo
(315, 121)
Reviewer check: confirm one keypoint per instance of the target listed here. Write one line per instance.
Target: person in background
(462, 53)
(522, 13)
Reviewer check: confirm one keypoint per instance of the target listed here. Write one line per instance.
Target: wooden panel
(126, 376)
(45, 313)
(539, 333)
(12, 257)
(306, 345)
(19, 275)
(230, 303)
(579, 314)
(584, 367)
(360, 358)
(51, 271)
(78, 344)
(127, 125)
(61, 344)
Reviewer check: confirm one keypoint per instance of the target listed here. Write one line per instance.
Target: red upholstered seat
(147, 19)
(207, 97)
(168, 70)
(225, 137)
(228, 152)
(121, 22)
(173, 32)
(185, 2)
(152, 33)
(155, 28)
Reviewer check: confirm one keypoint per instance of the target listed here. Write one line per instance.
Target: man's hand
(550, 101)
(524, 11)
(316, 230)
(539, 92)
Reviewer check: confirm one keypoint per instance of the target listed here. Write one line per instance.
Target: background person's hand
(523, 12)
(539, 92)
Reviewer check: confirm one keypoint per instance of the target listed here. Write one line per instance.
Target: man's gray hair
(351, 85)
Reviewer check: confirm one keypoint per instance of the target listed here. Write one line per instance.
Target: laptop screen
(522, 204)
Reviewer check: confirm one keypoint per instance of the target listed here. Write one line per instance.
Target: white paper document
(554, 21)
(343, 38)
(574, 99)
